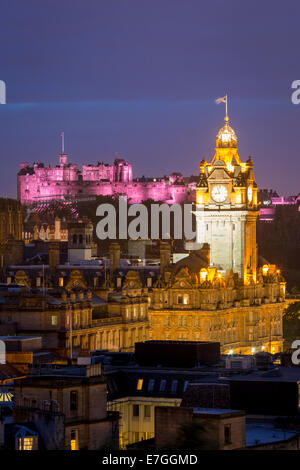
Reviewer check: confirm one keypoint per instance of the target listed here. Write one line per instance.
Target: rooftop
(264, 433)
(217, 412)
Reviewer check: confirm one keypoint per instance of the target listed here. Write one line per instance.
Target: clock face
(219, 193)
(250, 193)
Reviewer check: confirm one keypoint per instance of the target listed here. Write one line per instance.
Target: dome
(196, 261)
(226, 136)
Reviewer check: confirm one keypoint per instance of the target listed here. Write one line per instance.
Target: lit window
(74, 439)
(54, 320)
(26, 443)
(139, 384)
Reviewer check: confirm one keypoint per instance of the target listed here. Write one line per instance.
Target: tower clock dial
(219, 193)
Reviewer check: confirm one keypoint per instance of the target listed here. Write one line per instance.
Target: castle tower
(80, 237)
(63, 159)
(226, 197)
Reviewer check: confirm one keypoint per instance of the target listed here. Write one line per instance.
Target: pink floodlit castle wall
(65, 181)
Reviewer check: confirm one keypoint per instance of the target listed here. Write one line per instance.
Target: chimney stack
(205, 252)
(165, 255)
(57, 225)
(53, 256)
(114, 256)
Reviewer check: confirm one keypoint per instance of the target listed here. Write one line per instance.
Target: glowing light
(26, 443)
(225, 136)
(219, 275)
(199, 199)
(238, 198)
(139, 384)
(253, 350)
(230, 352)
(250, 193)
(73, 444)
(230, 167)
(6, 397)
(203, 274)
(265, 269)
(263, 348)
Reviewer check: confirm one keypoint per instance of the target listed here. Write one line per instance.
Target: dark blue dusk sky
(139, 77)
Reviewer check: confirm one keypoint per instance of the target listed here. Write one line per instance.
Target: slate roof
(7, 371)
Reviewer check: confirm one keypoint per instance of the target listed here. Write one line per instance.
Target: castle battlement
(38, 183)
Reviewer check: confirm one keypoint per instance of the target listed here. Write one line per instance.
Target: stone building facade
(221, 429)
(78, 402)
(114, 324)
(11, 228)
(11, 224)
(193, 301)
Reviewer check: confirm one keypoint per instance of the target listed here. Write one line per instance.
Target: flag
(221, 100)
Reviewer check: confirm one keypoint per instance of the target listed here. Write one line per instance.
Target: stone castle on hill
(65, 181)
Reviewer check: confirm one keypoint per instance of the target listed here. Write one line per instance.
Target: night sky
(139, 78)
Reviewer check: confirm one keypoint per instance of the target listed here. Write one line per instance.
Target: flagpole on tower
(223, 99)
(62, 142)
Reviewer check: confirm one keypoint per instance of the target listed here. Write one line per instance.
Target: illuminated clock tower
(226, 198)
